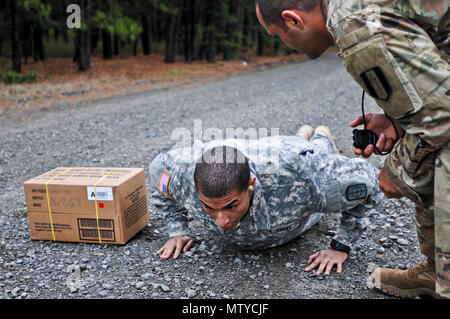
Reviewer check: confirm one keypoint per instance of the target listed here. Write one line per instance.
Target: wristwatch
(338, 246)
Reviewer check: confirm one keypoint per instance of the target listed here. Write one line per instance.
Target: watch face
(338, 246)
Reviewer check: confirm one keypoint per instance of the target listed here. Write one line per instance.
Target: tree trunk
(84, 40)
(15, 41)
(26, 41)
(210, 49)
(260, 43)
(233, 30)
(276, 47)
(107, 47)
(189, 31)
(116, 45)
(173, 28)
(84, 46)
(65, 35)
(246, 26)
(76, 55)
(38, 44)
(56, 34)
(157, 27)
(145, 35)
(94, 39)
(135, 44)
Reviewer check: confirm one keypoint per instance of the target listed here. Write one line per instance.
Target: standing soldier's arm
(397, 63)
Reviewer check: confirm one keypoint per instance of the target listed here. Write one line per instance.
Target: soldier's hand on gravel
(177, 244)
(327, 258)
(382, 127)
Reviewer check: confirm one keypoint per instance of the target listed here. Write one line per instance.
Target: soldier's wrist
(339, 246)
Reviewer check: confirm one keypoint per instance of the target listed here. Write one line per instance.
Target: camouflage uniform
(296, 181)
(398, 51)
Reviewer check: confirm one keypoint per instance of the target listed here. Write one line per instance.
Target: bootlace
(419, 269)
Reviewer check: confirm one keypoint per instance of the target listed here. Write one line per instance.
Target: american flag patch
(164, 180)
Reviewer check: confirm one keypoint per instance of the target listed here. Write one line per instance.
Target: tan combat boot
(306, 132)
(410, 283)
(324, 130)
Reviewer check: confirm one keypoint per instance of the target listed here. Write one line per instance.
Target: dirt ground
(61, 83)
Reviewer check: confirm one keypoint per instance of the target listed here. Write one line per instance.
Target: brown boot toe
(416, 281)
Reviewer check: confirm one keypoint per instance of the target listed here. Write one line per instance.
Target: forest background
(140, 43)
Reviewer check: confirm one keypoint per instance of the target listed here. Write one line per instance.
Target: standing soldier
(398, 52)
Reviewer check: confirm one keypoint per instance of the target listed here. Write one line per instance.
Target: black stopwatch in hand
(363, 138)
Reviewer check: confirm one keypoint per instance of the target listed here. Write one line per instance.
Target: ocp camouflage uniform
(296, 181)
(398, 51)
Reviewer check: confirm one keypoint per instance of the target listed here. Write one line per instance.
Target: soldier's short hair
(220, 170)
(271, 9)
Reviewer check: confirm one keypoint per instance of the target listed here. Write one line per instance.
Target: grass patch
(12, 77)
(176, 73)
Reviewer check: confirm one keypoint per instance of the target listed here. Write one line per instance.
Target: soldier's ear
(252, 181)
(293, 18)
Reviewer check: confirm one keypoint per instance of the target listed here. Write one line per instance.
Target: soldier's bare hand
(174, 246)
(387, 186)
(326, 259)
(382, 127)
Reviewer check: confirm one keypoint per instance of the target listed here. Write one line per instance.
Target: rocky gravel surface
(128, 132)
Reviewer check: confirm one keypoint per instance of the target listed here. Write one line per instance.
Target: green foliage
(127, 28)
(30, 77)
(166, 9)
(37, 7)
(16, 78)
(12, 78)
(116, 23)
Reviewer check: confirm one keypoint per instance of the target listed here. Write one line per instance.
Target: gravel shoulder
(130, 131)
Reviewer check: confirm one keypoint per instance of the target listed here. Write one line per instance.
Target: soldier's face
(304, 32)
(227, 211)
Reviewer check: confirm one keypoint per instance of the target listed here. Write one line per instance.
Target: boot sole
(394, 291)
(403, 293)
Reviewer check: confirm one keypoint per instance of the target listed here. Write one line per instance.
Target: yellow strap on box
(96, 205)
(48, 200)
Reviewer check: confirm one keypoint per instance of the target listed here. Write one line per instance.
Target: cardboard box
(90, 205)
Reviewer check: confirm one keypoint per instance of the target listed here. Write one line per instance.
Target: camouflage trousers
(442, 220)
(431, 182)
(428, 186)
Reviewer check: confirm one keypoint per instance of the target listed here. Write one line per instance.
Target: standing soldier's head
(224, 186)
(301, 24)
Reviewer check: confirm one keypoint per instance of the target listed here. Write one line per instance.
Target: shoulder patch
(164, 180)
(356, 192)
(376, 83)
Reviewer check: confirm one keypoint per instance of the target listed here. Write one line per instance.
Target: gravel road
(130, 131)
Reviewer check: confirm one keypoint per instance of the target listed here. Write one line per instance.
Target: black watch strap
(338, 246)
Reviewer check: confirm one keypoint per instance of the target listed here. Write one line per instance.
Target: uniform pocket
(378, 73)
